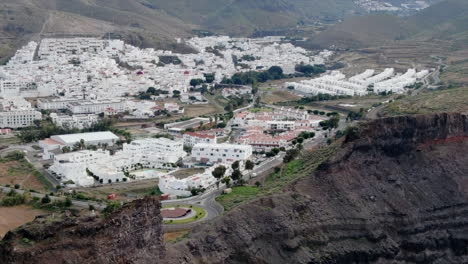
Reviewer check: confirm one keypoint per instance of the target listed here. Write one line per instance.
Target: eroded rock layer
(131, 235)
(395, 193)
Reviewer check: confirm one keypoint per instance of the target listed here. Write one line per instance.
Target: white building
(192, 138)
(61, 141)
(19, 118)
(97, 106)
(74, 121)
(169, 184)
(167, 150)
(150, 153)
(72, 166)
(216, 153)
(55, 104)
(15, 112)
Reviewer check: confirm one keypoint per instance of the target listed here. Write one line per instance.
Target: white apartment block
(73, 166)
(74, 121)
(19, 118)
(69, 46)
(158, 153)
(170, 151)
(192, 138)
(224, 153)
(97, 106)
(55, 104)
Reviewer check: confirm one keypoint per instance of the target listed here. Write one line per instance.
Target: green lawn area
(238, 195)
(9, 140)
(200, 214)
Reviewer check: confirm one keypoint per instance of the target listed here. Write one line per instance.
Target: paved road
(205, 201)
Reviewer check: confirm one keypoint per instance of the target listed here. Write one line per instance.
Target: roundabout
(179, 214)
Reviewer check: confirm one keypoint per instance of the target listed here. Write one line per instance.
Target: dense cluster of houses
(98, 68)
(274, 127)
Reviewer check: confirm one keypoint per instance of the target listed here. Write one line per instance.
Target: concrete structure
(124, 165)
(19, 118)
(60, 141)
(220, 153)
(192, 138)
(97, 106)
(74, 121)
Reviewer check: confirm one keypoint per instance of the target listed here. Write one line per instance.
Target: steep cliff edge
(396, 192)
(131, 235)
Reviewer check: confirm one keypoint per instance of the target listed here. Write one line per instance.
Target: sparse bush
(45, 199)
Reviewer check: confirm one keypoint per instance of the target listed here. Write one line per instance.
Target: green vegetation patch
(200, 214)
(283, 176)
(256, 110)
(237, 196)
(447, 100)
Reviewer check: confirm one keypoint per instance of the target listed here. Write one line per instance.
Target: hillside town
(75, 84)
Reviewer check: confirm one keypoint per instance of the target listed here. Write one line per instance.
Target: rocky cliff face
(395, 193)
(132, 235)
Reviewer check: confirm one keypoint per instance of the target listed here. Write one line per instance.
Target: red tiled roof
(50, 141)
(193, 134)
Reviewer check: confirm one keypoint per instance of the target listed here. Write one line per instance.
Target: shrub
(111, 207)
(17, 186)
(45, 199)
(13, 198)
(68, 202)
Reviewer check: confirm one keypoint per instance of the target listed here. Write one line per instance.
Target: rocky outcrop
(395, 193)
(131, 235)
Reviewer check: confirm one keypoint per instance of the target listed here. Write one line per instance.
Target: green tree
(209, 77)
(235, 165)
(249, 165)
(236, 175)
(218, 172)
(45, 199)
(226, 180)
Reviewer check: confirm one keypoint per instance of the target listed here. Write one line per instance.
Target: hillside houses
(274, 127)
(104, 69)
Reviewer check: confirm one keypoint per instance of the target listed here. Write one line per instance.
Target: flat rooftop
(91, 136)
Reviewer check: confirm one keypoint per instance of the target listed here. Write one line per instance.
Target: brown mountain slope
(23, 20)
(396, 193)
(131, 235)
